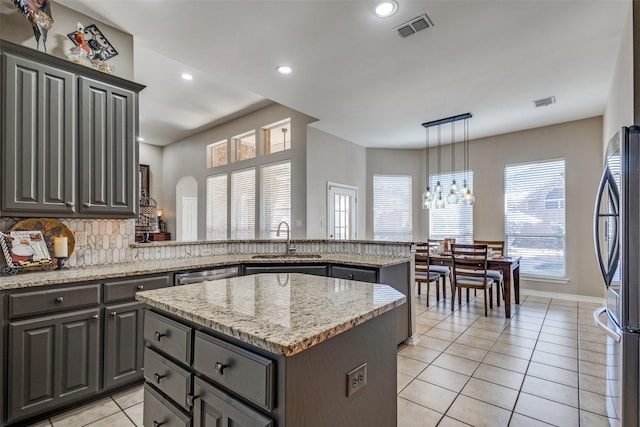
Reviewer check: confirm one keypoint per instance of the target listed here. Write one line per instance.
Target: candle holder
(61, 262)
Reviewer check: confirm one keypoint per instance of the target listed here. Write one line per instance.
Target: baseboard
(558, 295)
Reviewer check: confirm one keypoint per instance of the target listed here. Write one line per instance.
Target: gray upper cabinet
(69, 138)
(40, 138)
(108, 152)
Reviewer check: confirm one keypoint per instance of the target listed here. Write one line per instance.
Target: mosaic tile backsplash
(111, 241)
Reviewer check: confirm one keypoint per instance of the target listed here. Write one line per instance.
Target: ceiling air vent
(543, 102)
(420, 23)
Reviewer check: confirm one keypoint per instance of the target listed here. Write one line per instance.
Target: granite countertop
(108, 271)
(282, 313)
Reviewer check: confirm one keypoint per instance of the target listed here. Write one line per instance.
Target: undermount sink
(285, 256)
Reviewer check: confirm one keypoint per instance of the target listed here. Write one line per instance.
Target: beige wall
(188, 158)
(15, 28)
(332, 159)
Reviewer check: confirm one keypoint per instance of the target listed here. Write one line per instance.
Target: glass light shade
(469, 199)
(454, 185)
(438, 187)
(452, 198)
(465, 189)
(439, 202)
(427, 198)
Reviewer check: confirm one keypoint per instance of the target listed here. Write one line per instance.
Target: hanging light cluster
(428, 196)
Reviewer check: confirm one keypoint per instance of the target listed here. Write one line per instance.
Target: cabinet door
(108, 152)
(214, 408)
(39, 139)
(123, 343)
(54, 360)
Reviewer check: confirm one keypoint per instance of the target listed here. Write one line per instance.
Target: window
(276, 136)
(455, 220)
(535, 217)
(392, 207)
(217, 154)
(217, 207)
(275, 198)
(244, 146)
(243, 212)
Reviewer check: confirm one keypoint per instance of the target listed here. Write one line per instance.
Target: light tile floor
(544, 366)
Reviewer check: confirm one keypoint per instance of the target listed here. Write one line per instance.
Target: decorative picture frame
(143, 180)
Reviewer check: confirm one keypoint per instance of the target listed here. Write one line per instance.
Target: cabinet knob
(191, 399)
(140, 287)
(220, 368)
(87, 205)
(114, 313)
(60, 299)
(157, 335)
(95, 316)
(158, 377)
(350, 276)
(157, 423)
(68, 204)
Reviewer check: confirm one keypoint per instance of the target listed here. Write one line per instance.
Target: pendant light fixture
(427, 196)
(467, 195)
(452, 197)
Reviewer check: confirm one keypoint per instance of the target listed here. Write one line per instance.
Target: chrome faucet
(289, 249)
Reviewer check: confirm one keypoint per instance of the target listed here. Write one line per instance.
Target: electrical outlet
(356, 379)
(81, 238)
(206, 252)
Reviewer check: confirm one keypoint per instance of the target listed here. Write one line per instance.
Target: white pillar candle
(60, 247)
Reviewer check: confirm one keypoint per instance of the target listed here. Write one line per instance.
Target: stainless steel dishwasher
(190, 277)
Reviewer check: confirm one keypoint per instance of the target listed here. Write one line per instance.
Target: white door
(189, 218)
(342, 211)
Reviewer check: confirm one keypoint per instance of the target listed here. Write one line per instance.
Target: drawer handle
(191, 399)
(157, 335)
(220, 368)
(140, 287)
(95, 316)
(157, 424)
(158, 377)
(68, 204)
(114, 313)
(59, 299)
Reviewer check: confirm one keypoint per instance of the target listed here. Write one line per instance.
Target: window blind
(275, 194)
(217, 207)
(243, 189)
(392, 219)
(535, 216)
(455, 220)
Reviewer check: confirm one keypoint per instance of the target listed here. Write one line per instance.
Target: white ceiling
(354, 73)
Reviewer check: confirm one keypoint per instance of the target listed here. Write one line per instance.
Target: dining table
(508, 265)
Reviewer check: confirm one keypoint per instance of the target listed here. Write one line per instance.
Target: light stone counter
(81, 274)
(281, 313)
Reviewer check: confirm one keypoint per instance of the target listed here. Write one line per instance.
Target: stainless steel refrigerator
(617, 242)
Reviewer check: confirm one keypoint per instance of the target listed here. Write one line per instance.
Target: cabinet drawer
(361, 274)
(53, 300)
(246, 373)
(126, 289)
(167, 377)
(168, 336)
(158, 411)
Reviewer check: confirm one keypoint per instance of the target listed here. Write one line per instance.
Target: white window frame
(243, 226)
(217, 226)
(390, 200)
(454, 220)
(270, 219)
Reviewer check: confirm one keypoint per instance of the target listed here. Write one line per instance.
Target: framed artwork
(143, 180)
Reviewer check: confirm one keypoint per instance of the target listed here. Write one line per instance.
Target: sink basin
(285, 256)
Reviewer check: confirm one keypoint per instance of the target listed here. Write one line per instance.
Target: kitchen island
(272, 349)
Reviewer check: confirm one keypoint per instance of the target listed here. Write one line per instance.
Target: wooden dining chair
(442, 269)
(469, 265)
(423, 275)
(497, 247)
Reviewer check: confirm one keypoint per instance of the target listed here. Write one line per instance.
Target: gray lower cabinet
(123, 350)
(54, 360)
(214, 407)
(314, 269)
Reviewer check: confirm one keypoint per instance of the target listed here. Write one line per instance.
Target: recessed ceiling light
(187, 76)
(386, 8)
(284, 69)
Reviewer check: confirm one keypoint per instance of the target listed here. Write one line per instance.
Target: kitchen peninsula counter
(100, 272)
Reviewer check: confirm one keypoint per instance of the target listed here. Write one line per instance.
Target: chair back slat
(496, 246)
(469, 260)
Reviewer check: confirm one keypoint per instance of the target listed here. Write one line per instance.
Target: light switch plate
(356, 379)
(81, 238)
